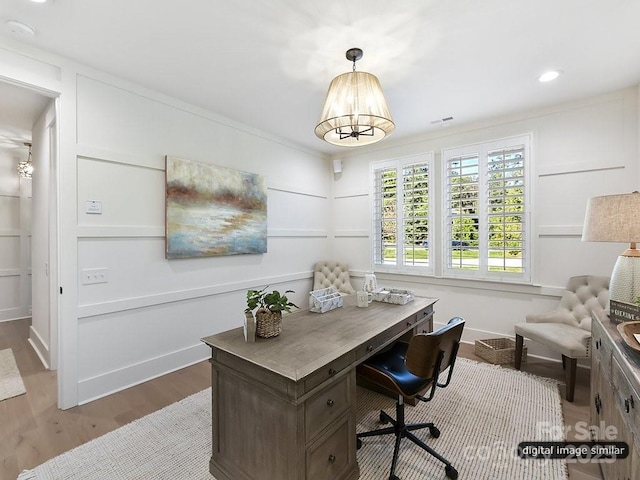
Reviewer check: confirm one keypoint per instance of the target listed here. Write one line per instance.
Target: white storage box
(392, 295)
(325, 299)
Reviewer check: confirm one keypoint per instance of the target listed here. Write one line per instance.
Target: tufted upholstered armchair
(330, 273)
(567, 329)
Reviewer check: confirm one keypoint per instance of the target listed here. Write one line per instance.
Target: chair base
(402, 430)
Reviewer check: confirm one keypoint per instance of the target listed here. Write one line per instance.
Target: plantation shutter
(385, 218)
(462, 212)
(415, 218)
(505, 209)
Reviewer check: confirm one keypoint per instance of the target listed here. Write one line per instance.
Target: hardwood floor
(33, 430)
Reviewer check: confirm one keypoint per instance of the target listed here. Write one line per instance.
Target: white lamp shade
(613, 218)
(355, 111)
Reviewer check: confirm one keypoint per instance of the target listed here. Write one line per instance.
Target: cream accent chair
(330, 273)
(567, 329)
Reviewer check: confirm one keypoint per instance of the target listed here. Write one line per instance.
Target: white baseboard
(90, 389)
(39, 346)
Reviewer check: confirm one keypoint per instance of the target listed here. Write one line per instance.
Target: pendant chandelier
(25, 167)
(355, 112)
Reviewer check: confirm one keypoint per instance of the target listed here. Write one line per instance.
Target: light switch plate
(95, 275)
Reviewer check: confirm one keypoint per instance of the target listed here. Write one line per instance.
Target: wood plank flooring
(33, 430)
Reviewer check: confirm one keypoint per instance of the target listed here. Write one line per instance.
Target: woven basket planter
(268, 324)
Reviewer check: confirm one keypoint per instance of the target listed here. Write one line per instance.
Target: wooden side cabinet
(615, 398)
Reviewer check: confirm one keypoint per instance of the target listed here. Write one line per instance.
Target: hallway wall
(15, 237)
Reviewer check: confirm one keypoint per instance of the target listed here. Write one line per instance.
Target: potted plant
(270, 306)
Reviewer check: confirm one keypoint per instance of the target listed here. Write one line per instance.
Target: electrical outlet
(94, 275)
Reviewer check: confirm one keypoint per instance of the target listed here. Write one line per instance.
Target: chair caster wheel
(450, 472)
(435, 433)
(358, 444)
(383, 419)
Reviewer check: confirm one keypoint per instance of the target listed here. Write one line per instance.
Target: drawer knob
(332, 372)
(332, 458)
(330, 403)
(370, 348)
(409, 324)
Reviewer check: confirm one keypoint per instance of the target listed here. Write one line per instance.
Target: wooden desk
(285, 407)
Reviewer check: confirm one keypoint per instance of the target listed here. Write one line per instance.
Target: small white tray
(392, 295)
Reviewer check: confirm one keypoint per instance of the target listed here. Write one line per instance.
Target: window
(485, 209)
(402, 200)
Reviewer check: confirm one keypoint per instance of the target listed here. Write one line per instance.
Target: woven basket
(499, 351)
(268, 324)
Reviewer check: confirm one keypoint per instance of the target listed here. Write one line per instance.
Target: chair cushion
(389, 369)
(570, 341)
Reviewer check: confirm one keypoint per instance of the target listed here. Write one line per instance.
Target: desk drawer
(373, 345)
(333, 455)
(425, 318)
(627, 398)
(329, 371)
(329, 404)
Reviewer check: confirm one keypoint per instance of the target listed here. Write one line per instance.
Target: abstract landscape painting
(213, 210)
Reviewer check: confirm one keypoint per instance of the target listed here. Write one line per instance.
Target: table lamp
(616, 218)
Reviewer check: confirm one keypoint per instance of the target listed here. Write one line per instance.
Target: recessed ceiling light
(549, 76)
(39, 1)
(19, 28)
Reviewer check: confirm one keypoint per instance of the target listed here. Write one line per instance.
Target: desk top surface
(309, 340)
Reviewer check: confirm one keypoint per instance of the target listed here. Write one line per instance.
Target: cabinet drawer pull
(409, 324)
(332, 372)
(330, 403)
(370, 348)
(332, 458)
(626, 405)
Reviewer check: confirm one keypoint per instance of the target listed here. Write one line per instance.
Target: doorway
(28, 266)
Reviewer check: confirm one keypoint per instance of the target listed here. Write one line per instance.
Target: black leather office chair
(408, 369)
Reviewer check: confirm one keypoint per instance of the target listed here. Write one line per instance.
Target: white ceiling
(268, 64)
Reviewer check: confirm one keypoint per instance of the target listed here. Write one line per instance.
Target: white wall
(580, 150)
(15, 237)
(150, 316)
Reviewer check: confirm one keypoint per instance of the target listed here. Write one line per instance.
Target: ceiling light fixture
(355, 111)
(549, 76)
(25, 167)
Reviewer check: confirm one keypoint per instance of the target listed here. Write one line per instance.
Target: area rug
(10, 380)
(483, 415)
